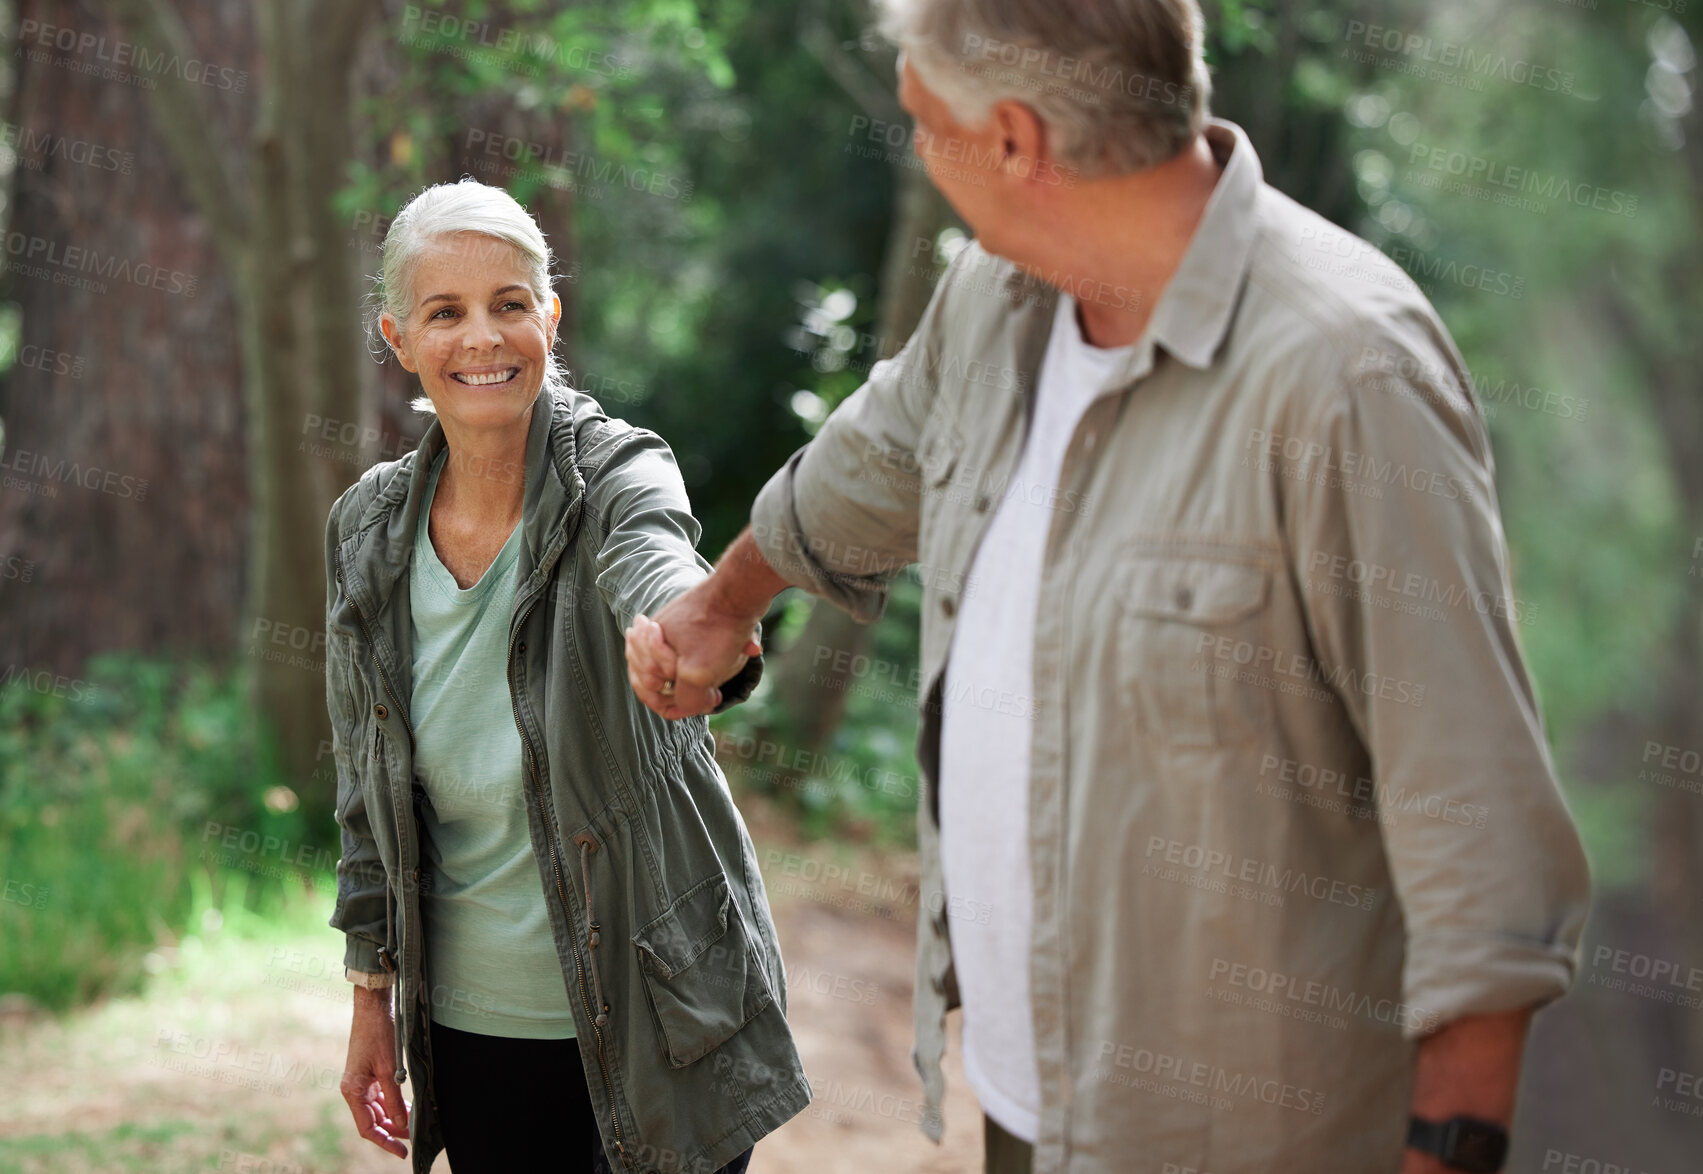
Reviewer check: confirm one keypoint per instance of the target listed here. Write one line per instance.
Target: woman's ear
(393, 336)
(555, 316)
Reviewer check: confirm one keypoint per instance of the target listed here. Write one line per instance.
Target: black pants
(512, 1106)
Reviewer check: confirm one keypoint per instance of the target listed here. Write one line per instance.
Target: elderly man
(1241, 844)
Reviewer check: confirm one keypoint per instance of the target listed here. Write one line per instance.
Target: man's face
(967, 164)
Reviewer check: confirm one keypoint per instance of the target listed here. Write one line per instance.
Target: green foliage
(116, 796)
(865, 783)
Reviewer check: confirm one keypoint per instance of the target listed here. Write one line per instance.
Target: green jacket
(656, 904)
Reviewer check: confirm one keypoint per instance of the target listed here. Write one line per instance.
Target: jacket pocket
(700, 975)
(1194, 651)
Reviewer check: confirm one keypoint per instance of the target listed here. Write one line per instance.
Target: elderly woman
(553, 911)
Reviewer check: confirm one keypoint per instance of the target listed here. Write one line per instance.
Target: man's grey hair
(444, 210)
(1121, 85)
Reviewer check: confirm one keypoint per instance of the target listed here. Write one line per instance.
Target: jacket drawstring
(593, 932)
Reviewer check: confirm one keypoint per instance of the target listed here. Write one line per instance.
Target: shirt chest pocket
(1195, 661)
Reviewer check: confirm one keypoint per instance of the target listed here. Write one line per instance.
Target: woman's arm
(648, 554)
(360, 909)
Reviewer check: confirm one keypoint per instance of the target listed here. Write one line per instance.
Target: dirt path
(230, 1060)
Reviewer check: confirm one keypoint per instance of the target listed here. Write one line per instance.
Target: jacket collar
(1194, 312)
(381, 545)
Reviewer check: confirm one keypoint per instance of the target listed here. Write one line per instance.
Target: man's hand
(1468, 1068)
(675, 661)
(369, 1084)
(704, 636)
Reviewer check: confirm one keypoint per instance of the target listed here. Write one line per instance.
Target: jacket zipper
(393, 965)
(562, 892)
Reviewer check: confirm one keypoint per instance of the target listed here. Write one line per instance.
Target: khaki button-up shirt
(1290, 802)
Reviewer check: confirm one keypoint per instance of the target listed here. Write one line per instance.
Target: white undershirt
(986, 720)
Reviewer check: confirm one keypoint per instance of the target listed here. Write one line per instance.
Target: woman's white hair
(446, 209)
(1121, 85)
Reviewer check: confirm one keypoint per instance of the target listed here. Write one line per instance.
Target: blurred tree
(268, 203)
(99, 377)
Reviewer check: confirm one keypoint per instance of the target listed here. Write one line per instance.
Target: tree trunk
(809, 689)
(126, 489)
(298, 313)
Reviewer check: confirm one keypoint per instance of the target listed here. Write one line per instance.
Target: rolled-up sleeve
(840, 518)
(1401, 487)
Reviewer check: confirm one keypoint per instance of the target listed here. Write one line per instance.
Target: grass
(108, 790)
(217, 982)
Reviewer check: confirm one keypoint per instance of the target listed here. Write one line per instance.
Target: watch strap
(372, 982)
(1428, 1137)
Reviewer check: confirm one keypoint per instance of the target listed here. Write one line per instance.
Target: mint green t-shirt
(491, 963)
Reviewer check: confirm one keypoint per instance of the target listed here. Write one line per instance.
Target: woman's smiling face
(476, 334)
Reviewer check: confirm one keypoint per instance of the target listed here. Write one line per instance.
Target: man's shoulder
(1332, 309)
(979, 286)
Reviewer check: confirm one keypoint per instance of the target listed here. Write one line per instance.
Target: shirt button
(380, 712)
(982, 503)
(949, 606)
(1185, 599)
(521, 646)
(1089, 439)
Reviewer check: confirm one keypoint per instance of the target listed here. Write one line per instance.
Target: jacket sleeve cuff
(739, 686)
(361, 955)
(786, 548)
(1453, 975)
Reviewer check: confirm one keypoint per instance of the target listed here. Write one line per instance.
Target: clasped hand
(677, 660)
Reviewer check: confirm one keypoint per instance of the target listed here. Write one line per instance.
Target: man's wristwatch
(373, 982)
(1461, 1143)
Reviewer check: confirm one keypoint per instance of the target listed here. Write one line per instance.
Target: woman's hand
(675, 670)
(369, 1083)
